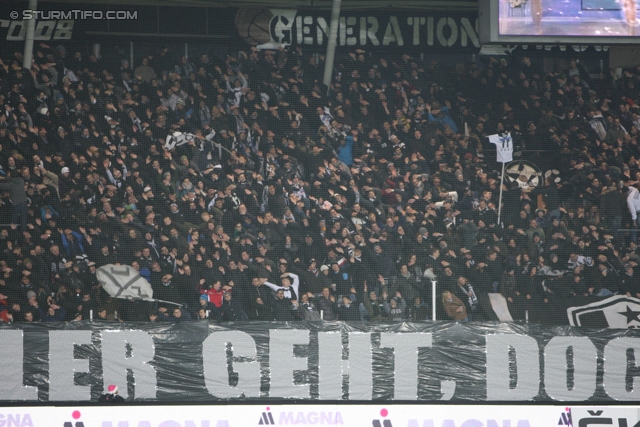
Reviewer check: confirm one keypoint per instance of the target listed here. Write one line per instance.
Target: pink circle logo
(75, 415)
(384, 412)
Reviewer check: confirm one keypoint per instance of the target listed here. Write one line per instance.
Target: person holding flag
(504, 153)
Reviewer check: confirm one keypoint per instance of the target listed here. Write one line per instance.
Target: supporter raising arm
(290, 285)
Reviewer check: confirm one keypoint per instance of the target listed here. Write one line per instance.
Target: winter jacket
(15, 187)
(396, 314)
(231, 311)
(451, 307)
(328, 308)
(284, 310)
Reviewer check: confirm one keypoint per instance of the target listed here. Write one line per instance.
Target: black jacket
(15, 187)
(284, 310)
(111, 398)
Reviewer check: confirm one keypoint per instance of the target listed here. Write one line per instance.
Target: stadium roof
(316, 4)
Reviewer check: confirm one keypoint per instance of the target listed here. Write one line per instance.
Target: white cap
(65, 170)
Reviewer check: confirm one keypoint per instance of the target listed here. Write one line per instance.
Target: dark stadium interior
(371, 186)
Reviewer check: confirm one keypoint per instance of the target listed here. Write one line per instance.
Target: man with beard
(166, 291)
(284, 309)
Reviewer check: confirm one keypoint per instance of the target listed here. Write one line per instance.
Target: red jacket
(215, 297)
(4, 312)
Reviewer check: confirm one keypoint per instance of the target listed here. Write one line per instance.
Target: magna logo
(301, 418)
(76, 416)
(565, 418)
(266, 418)
(15, 420)
(385, 423)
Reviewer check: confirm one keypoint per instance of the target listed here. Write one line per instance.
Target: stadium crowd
(243, 188)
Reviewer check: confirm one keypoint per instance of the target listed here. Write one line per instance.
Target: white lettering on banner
(453, 30)
(405, 352)
(416, 22)
(15, 420)
(281, 27)
(616, 368)
(129, 349)
(468, 31)
(358, 367)
(527, 357)
(287, 27)
(585, 365)
(283, 363)
(393, 34)
(243, 362)
(322, 29)
(368, 30)
(235, 366)
(63, 366)
(45, 30)
(304, 30)
(347, 31)
(430, 31)
(11, 368)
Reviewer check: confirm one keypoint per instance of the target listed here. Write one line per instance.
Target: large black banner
(266, 27)
(370, 29)
(330, 361)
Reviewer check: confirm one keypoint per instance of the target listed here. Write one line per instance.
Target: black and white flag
(618, 312)
(123, 281)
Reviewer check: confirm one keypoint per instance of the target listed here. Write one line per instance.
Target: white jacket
(633, 202)
(295, 285)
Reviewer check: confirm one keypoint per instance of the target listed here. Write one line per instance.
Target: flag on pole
(123, 281)
(504, 147)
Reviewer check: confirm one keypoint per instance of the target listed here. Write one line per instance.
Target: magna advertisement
(379, 415)
(195, 362)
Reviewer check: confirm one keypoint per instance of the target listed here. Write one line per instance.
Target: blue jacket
(345, 152)
(445, 119)
(78, 250)
(57, 317)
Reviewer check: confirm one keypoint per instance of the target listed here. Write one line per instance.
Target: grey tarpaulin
(203, 362)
